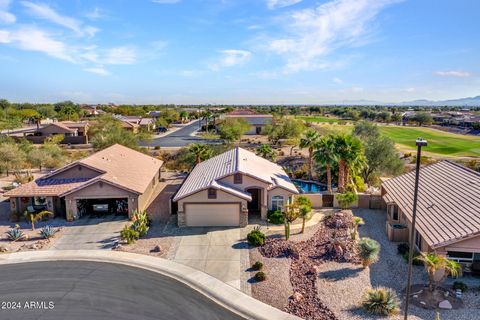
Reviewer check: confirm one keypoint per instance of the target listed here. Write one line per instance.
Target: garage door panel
(212, 215)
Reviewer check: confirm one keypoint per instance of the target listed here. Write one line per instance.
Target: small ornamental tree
(305, 209)
(290, 213)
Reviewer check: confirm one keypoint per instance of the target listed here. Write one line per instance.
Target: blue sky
(238, 51)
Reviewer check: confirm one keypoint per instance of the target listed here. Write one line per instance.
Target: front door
(254, 205)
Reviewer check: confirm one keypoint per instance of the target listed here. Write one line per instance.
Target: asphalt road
(67, 290)
(180, 138)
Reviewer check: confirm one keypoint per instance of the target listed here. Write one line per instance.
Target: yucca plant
(380, 301)
(48, 232)
(368, 250)
(15, 234)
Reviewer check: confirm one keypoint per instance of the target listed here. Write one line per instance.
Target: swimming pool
(309, 186)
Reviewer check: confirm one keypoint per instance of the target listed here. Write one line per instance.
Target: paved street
(91, 234)
(180, 138)
(103, 291)
(216, 251)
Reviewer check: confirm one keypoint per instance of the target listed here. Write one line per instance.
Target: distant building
(92, 110)
(147, 124)
(73, 132)
(257, 121)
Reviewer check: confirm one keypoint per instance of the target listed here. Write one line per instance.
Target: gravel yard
(341, 285)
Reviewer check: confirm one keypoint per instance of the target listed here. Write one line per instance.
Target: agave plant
(368, 250)
(47, 232)
(381, 301)
(15, 234)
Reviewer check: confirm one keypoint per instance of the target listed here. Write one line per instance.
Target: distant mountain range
(463, 102)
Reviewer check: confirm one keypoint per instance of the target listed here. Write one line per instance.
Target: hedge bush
(275, 217)
(260, 276)
(256, 237)
(257, 266)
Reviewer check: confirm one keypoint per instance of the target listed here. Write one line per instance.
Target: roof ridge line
(462, 167)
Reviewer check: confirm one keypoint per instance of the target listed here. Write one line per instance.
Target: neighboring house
(448, 211)
(116, 180)
(92, 110)
(147, 124)
(73, 132)
(257, 121)
(228, 189)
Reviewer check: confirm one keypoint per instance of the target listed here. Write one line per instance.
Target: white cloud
(357, 89)
(5, 16)
(98, 70)
(43, 11)
(412, 89)
(313, 34)
(453, 73)
(231, 58)
(120, 55)
(95, 14)
(166, 1)
(337, 80)
(33, 39)
(273, 4)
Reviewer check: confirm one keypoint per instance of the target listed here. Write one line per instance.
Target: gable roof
(117, 165)
(208, 173)
(60, 127)
(448, 208)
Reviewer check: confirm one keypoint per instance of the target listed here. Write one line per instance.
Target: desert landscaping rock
(445, 304)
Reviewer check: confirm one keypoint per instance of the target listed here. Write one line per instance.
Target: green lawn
(439, 142)
(319, 119)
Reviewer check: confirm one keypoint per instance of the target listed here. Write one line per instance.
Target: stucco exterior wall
(468, 245)
(277, 192)
(145, 198)
(315, 198)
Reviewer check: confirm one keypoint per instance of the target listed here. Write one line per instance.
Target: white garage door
(212, 215)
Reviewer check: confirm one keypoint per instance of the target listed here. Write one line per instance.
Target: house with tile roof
(232, 187)
(105, 181)
(72, 132)
(257, 121)
(448, 210)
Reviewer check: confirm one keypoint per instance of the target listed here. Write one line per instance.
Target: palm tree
(434, 263)
(201, 151)
(325, 154)
(349, 149)
(309, 140)
(266, 151)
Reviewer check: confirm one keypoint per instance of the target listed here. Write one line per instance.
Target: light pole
(420, 143)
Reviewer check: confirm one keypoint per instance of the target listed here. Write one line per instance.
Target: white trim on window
(278, 202)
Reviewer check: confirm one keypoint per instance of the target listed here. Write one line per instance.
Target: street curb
(214, 289)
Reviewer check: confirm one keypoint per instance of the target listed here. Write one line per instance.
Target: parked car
(161, 129)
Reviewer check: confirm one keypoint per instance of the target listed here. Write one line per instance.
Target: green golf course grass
(439, 142)
(319, 119)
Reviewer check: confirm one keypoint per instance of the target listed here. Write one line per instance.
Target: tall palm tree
(201, 151)
(265, 151)
(309, 140)
(325, 154)
(349, 149)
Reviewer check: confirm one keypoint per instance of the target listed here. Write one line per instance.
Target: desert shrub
(140, 223)
(156, 148)
(48, 232)
(360, 183)
(275, 217)
(402, 248)
(380, 301)
(129, 235)
(15, 234)
(346, 199)
(260, 276)
(460, 285)
(257, 265)
(368, 250)
(407, 154)
(256, 237)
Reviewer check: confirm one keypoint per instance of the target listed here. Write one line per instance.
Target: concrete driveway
(220, 252)
(91, 234)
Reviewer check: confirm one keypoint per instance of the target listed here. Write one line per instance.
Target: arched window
(278, 202)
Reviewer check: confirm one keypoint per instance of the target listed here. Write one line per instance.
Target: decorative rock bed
(441, 298)
(331, 242)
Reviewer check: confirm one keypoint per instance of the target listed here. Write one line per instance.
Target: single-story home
(147, 124)
(257, 121)
(448, 210)
(73, 132)
(228, 189)
(115, 180)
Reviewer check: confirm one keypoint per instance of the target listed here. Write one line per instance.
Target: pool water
(309, 186)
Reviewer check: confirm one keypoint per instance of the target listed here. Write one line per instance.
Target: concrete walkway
(212, 288)
(90, 234)
(216, 251)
